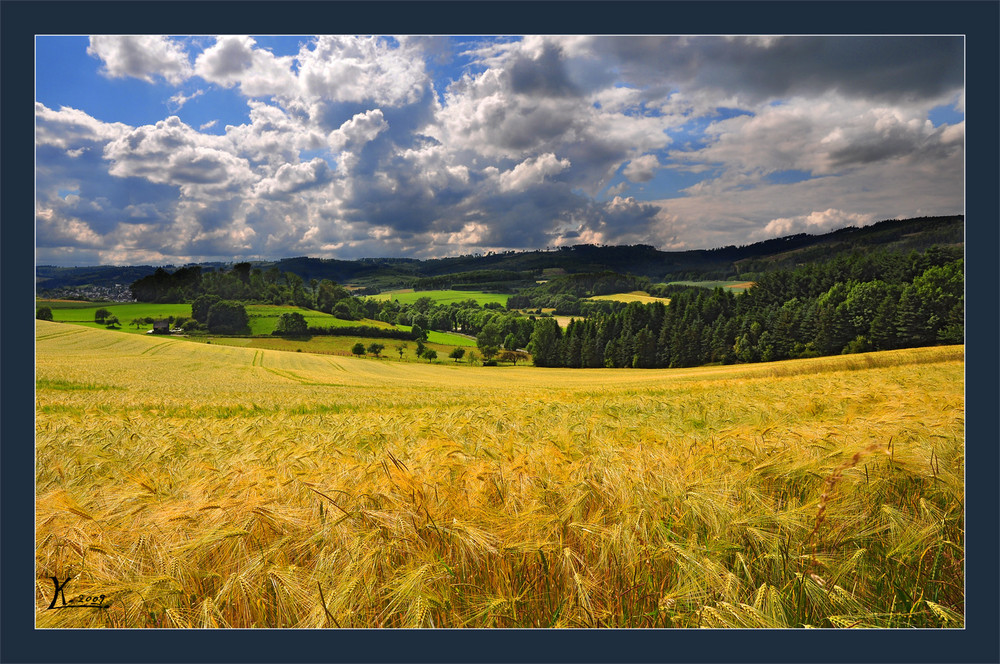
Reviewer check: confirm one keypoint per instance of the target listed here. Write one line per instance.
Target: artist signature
(77, 602)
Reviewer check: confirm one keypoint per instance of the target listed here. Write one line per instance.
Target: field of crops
(209, 486)
(634, 296)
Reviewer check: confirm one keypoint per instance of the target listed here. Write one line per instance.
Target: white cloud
(815, 223)
(532, 172)
(273, 136)
(349, 150)
(170, 152)
(642, 169)
(234, 61)
(818, 136)
(294, 178)
(178, 100)
(70, 127)
(141, 56)
(360, 129)
(340, 68)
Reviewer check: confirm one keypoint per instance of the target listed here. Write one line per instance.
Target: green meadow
(263, 321)
(736, 286)
(409, 296)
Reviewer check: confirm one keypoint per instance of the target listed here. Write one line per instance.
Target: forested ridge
(742, 262)
(857, 303)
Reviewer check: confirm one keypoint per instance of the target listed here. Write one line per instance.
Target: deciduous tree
(228, 317)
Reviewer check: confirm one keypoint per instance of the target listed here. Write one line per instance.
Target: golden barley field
(206, 486)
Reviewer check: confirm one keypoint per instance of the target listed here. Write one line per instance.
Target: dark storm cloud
(544, 76)
(527, 219)
(550, 213)
(877, 149)
(896, 68)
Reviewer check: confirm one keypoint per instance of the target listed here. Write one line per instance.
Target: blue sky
(173, 149)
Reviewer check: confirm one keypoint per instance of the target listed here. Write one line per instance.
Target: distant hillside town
(112, 293)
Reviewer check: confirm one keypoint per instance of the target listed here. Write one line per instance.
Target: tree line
(875, 300)
(862, 302)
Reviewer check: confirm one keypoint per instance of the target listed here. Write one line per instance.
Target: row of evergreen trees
(862, 302)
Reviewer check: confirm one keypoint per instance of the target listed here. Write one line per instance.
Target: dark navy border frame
(20, 21)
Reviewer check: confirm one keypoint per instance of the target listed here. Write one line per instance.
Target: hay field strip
(215, 486)
(634, 296)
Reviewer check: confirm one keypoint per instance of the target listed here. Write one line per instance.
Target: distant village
(113, 293)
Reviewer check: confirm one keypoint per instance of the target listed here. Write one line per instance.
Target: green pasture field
(263, 317)
(735, 286)
(409, 296)
(82, 313)
(210, 486)
(263, 321)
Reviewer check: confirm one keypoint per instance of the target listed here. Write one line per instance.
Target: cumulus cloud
(357, 146)
(273, 136)
(815, 223)
(72, 128)
(532, 172)
(352, 69)
(170, 152)
(234, 61)
(142, 56)
(532, 100)
(294, 178)
(642, 169)
(357, 131)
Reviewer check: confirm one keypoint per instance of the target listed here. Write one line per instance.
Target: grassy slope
(736, 286)
(214, 486)
(409, 296)
(83, 312)
(263, 317)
